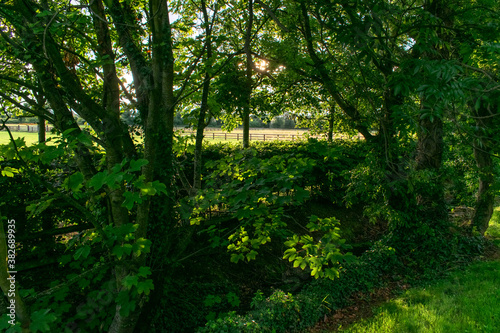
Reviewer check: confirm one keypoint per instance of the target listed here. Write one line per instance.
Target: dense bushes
(333, 161)
(257, 190)
(284, 312)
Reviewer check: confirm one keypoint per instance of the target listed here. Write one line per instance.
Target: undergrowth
(382, 264)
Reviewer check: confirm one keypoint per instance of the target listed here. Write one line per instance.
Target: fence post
(237, 136)
(213, 135)
(225, 136)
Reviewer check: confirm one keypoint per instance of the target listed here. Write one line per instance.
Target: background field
(213, 135)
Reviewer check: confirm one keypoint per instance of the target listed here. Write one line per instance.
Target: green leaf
(289, 253)
(84, 138)
(43, 14)
(83, 252)
(251, 255)
(127, 307)
(136, 165)
(233, 299)
(82, 283)
(159, 187)
(120, 250)
(145, 287)
(144, 271)
(41, 319)
(142, 245)
(9, 172)
(297, 262)
(98, 180)
(237, 257)
(130, 280)
(130, 199)
(37, 208)
(211, 300)
(477, 105)
(74, 182)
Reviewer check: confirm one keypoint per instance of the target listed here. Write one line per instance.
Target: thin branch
(272, 15)
(52, 188)
(19, 82)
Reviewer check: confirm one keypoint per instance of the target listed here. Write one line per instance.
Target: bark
(249, 80)
(430, 199)
(41, 129)
(126, 25)
(485, 199)
(155, 216)
(62, 89)
(430, 142)
(204, 104)
(330, 123)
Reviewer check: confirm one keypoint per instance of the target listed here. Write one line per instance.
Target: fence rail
(256, 136)
(210, 134)
(25, 128)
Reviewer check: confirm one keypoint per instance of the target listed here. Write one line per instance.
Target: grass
(493, 230)
(466, 301)
(30, 138)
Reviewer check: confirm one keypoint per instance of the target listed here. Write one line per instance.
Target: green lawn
(494, 228)
(30, 137)
(466, 301)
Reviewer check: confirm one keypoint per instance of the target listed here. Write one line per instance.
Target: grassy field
(28, 137)
(219, 135)
(466, 301)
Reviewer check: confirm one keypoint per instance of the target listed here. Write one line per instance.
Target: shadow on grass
(463, 302)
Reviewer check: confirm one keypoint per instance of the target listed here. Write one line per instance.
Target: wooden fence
(26, 128)
(255, 136)
(210, 134)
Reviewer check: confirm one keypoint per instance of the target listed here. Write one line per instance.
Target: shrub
(284, 312)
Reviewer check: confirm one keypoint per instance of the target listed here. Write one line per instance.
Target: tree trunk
(485, 200)
(204, 104)
(41, 129)
(430, 198)
(249, 81)
(331, 122)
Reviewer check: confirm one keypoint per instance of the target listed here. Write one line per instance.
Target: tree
(66, 63)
